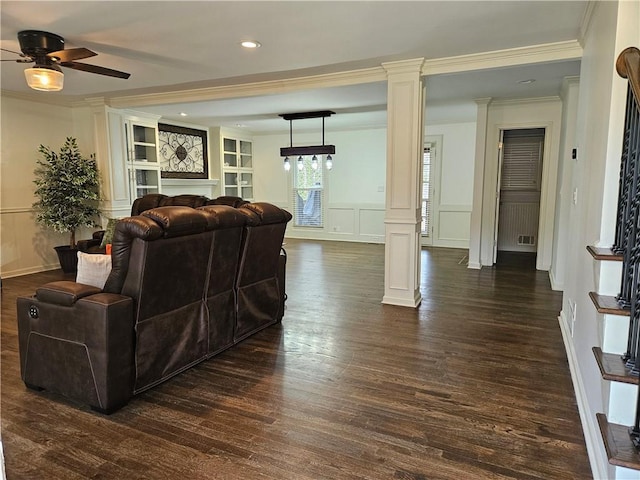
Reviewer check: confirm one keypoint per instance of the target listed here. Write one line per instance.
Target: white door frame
(498, 193)
(434, 183)
(547, 193)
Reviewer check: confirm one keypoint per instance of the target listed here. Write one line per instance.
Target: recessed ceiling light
(182, 114)
(241, 125)
(527, 82)
(250, 44)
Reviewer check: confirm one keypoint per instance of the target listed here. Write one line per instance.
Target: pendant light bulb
(300, 165)
(329, 162)
(314, 162)
(287, 164)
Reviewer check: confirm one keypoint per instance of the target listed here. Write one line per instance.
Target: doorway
(518, 196)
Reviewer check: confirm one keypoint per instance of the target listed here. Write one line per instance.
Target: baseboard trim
(29, 270)
(555, 285)
(597, 457)
(402, 301)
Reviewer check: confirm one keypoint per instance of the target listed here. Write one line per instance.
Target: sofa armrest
(64, 293)
(78, 344)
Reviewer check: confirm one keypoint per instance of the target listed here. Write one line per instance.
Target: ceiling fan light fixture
(44, 79)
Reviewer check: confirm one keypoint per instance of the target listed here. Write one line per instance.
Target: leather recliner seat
(185, 285)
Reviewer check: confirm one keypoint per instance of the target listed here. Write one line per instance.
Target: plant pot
(68, 258)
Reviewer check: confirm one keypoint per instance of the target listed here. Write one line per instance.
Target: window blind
(425, 227)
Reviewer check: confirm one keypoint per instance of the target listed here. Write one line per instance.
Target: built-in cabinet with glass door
(142, 157)
(237, 167)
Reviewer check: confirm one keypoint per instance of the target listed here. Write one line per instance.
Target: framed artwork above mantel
(183, 152)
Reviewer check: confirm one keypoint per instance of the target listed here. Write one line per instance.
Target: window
(308, 193)
(425, 227)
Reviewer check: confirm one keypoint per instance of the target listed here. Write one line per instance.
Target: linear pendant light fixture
(311, 149)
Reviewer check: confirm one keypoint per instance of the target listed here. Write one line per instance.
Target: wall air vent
(526, 240)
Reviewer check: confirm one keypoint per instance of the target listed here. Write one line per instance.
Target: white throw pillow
(93, 269)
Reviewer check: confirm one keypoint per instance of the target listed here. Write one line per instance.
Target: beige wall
(24, 246)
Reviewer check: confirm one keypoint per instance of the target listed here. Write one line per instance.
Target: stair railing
(627, 241)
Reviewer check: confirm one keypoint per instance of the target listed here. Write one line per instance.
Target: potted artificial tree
(67, 188)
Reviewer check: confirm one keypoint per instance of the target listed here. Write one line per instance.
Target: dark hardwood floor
(474, 384)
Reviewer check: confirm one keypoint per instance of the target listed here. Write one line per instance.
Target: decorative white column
(475, 227)
(405, 137)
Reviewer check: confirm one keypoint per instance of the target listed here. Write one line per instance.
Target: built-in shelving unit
(237, 168)
(142, 156)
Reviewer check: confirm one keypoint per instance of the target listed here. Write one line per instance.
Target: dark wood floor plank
(472, 384)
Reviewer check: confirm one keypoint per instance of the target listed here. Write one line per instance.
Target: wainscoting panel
(350, 223)
(342, 220)
(453, 226)
(400, 244)
(372, 224)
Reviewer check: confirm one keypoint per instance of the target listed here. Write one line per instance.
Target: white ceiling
(167, 45)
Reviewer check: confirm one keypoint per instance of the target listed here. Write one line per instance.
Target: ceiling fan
(47, 51)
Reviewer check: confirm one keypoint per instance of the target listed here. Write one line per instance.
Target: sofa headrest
(146, 202)
(127, 229)
(223, 216)
(136, 227)
(227, 200)
(185, 200)
(262, 213)
(176, 221)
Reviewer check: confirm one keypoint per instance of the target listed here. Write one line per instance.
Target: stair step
(604, 253)
(617, 443)
(613, 368)
(608, 304)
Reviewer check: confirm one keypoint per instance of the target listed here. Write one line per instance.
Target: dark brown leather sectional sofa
(186, 283)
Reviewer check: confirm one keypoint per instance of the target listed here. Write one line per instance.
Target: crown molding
(557, 51)
(339, 79)
(549, 52)
(586, 20)
(483, 100)
(413, 65)
(573, 80)
(519, 101)
(39, 98)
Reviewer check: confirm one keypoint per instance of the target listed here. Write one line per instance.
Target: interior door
(497, 206)
(520, 190)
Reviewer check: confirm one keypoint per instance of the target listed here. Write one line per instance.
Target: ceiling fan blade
(11, 51)
(96, 69)
(70, 54)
